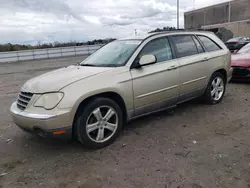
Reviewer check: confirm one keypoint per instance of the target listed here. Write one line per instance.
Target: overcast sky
(30, 21)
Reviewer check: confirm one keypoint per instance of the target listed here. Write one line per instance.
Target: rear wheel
(215, 89)
(99, 123)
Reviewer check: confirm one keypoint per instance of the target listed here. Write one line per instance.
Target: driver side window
(160, 48)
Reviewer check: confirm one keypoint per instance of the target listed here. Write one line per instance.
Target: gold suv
(121, 81)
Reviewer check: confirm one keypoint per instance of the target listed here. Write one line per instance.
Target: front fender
(77, 92)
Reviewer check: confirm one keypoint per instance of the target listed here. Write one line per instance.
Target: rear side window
(184, 45)
(198, 45)
(160, 48)
(209, 44)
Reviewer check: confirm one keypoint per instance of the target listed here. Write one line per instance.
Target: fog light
(40, 132)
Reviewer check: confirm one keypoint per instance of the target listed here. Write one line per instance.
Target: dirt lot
(198, 146)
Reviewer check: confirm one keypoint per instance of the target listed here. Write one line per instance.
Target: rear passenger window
(185, 45)
(209, 44)
(198, 45)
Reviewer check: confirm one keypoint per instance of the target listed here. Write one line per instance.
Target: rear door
(216, 56)
(192, 59)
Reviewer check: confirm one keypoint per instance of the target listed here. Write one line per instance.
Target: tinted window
(198, 45)
(245, 49)
(209, 44)
(158, 47)
(185, 45)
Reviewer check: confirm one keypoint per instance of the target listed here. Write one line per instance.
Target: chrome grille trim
(26, 94)
(23, 99)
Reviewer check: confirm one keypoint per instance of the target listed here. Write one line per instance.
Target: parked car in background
(237, 43)
(123, 80)
(241, 64)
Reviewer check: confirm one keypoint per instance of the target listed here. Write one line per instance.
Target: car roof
(145, 36)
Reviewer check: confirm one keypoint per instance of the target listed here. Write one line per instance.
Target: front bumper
(241, 78)
(55, 123)
(241, 74)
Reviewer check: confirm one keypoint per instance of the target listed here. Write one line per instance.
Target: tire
(215, 89)
(99, 124)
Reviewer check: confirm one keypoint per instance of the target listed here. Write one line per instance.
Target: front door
(155, 86)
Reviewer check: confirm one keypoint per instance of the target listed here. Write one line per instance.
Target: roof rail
(166, 31)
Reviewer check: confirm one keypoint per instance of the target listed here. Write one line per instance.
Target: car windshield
(245, 49)
(235, 39)
(114, 54)
(238, 39)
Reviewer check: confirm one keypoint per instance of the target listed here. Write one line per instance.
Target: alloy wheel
(101, 124)
(217, 88)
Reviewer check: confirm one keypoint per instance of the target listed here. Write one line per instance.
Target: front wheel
(215, 89)
(99, 123)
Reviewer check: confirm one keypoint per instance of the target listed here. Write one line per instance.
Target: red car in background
(241, 64)
(237, 43)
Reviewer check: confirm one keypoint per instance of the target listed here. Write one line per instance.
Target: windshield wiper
(109, 65)
(88, 65)
(100, 65)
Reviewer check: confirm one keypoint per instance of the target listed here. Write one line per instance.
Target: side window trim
(172, 46)
(195, 44)
(204, 47)
(201, 44)
(133, 65)
(175, 48)
(220, 48)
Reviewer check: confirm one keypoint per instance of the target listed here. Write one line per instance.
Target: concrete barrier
(48, 53)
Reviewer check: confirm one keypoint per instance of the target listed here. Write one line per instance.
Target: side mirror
(147, 59)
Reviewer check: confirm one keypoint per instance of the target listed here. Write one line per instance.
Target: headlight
(49, 100)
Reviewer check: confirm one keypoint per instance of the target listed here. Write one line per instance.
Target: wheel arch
(206, 97)
(223, 72)
(220, 70)
(109, 94)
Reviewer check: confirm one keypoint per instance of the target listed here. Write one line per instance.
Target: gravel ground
(195, 146)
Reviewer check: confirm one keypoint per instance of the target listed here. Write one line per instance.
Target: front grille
(240, 71)
(23, 99)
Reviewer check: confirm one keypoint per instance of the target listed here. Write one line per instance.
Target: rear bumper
(43, 124)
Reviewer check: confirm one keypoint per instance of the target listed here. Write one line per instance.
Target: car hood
(55, 80)
(241, 60)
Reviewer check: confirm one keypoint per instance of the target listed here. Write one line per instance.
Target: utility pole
(135, 32)
(177, 14)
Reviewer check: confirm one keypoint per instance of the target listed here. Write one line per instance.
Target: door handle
(172, 67)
